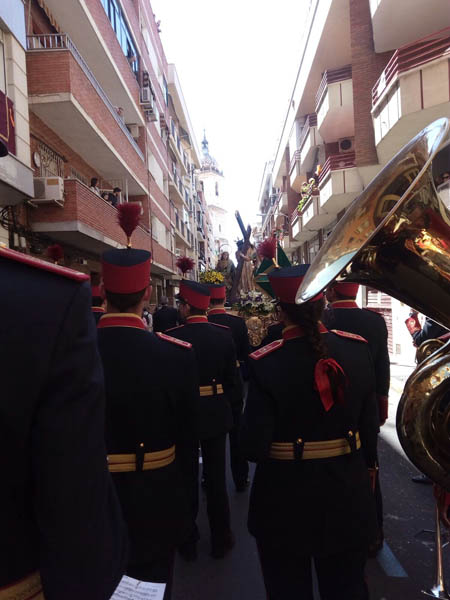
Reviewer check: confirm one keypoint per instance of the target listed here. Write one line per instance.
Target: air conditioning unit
(152, 113)
(177, 252)
(346, 145)
(146, 97)
(48, 190)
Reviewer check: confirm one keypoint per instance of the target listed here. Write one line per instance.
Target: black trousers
(159, 570)
(238, 463)
(288, 574)
(218, 508)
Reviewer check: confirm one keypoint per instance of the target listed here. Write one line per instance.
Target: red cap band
(126, 279)
(218, 292)
(194, 298)
(347, 289)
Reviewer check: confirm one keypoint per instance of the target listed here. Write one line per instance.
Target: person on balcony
(94, 187)
(114, 196)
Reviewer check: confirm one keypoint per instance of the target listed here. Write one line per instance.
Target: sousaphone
(395, 237)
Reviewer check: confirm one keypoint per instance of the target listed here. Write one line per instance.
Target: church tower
(213, 183)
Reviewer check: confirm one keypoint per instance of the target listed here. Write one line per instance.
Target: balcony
(182, 232)
(339, 184)
(64, 93)
(176, 189)
(334, 105)
(412, 91)
(400, 22)
(304, 157)
(91, 31)
(175, 144)
(306, 224)
(84, 220)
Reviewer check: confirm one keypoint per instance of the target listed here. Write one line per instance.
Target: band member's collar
(295, 331)
(197, 319)
(217, 311)
(121, 320)
(98, 309)
(344, 304)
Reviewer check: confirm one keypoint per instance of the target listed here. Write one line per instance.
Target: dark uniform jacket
(58, 509)
(216, 364)
(97, 313)
(165, 318)
(239, 333)
(322, 506)
(274, 332)
(429, 331)
(151, 393)
(371, 326)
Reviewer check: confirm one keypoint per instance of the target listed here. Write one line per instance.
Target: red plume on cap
(55, 252)
(185, 264)
(268, 248)
(128, 218)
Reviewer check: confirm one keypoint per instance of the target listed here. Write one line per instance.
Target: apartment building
(16, 176)
(104, 104)
(372, 74)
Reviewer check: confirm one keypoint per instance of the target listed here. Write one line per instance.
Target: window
(118, 23)
(165, 91)
(217, 188)
(2, 69)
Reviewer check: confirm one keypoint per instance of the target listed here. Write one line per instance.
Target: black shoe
(188, 551)
(241, 487)
(221, 549)
(421, 479)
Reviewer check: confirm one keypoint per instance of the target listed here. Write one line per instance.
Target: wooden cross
(237, 276)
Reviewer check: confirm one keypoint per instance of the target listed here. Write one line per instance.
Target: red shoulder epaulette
(42, 264)
(257, 354)
(347, 334)
(218, 325)
(176, 341)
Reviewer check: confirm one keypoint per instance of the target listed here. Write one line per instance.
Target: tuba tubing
(395, 237)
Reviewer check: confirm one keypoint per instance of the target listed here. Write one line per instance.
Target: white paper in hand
(133, 589)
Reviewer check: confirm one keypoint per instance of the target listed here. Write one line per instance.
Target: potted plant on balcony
(307, 192)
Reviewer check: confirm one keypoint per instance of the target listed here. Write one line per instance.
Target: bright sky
(237, 61)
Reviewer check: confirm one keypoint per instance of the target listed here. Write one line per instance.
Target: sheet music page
(133, 589)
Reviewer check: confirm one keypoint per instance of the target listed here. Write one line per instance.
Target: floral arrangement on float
(254, 303)
(211, 276)
(258, 310)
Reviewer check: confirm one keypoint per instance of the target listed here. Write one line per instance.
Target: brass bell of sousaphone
(395, 237)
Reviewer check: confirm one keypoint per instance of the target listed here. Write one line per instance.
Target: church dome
(209, 163)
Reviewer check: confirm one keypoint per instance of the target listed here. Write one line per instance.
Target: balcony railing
(335, 162)
(311, 121)
(410, 56)
(294, 159)
(61, 41)
(332, 76)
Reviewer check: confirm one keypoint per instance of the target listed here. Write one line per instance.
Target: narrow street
(402, 569)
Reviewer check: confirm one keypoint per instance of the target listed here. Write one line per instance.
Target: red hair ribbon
(323, 369)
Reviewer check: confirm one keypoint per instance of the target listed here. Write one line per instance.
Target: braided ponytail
(330, 379)
(307, 316)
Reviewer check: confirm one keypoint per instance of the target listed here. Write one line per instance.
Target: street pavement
(403, 568)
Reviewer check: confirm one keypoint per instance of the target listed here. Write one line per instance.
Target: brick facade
(366, 68)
